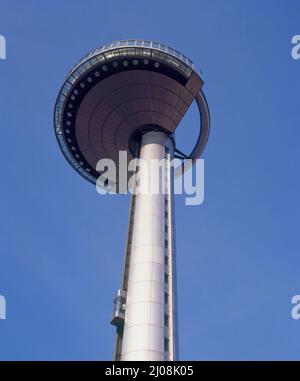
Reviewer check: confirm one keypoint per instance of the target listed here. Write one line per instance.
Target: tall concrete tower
(130, 96)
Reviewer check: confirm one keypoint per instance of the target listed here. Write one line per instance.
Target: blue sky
(62, 244)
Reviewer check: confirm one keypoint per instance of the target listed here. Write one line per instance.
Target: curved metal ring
(202, 137)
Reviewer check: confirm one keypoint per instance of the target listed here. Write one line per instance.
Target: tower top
(117, 92)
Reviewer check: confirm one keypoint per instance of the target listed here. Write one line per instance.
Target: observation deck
(117, 92)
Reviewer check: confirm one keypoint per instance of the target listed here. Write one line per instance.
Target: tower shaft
(148, 331)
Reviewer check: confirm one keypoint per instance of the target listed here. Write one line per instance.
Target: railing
(139, 44)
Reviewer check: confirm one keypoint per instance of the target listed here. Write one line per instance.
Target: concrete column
(144, 328)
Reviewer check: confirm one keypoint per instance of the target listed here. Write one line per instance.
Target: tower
(130, 96)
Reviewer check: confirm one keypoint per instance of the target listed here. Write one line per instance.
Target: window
(166, 278)
(166, 344)
(171, 51)
(177, 54)
(166, 320)
(166, 298)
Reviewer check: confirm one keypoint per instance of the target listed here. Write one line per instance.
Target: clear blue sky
(62, 244)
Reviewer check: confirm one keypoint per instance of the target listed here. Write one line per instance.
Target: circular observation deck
(115, 92)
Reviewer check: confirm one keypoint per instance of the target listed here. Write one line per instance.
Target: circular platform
(117, 90)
